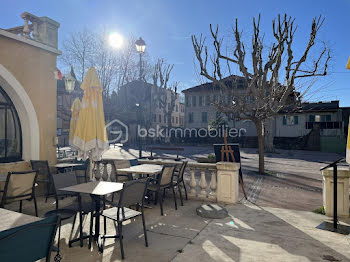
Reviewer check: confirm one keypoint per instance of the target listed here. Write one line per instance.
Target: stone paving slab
(251, 233)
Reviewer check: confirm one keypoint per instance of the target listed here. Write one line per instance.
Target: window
(207, 100)
(177, 120)
(160, 118)
(193, 100)
(190, 117)
(290, 120)
(320, 118)
(200, 101)
(204, 117)
(168, 106)
(172, 120)
(187, 101)
(10, 131)
(177, 108)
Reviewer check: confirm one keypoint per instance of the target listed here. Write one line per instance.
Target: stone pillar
(343, 191)
(227, 186)
(48, 31)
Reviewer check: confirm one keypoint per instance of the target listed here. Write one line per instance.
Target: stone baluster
(113, 174)
(213, 186)
(105, 173)
(193, 184)
(95, 175)
(203, 184)
(26, 30)
(97, 171)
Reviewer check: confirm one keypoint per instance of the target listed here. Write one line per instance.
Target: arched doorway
(10, 130)
(28, 120)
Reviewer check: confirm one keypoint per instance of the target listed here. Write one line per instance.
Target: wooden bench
(177, 149)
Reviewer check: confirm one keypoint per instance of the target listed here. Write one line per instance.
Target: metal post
(140, 66)
(335, 196)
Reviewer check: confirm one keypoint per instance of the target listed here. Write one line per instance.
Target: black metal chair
(179, 179)
(66, 179)
(82, 172)
(29, 242)
(43, 169)
(20, 186)
(164, 181)
(133, 193)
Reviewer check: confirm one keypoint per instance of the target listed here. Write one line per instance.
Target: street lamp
(69, 82)
(138, 124)
(140, 48)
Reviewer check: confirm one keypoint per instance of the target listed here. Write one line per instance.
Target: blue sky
(166, 26)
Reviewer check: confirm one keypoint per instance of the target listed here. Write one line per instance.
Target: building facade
(141, 103)
(28, 90)
(323, 121)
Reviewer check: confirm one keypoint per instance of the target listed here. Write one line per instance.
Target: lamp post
(138, 124)
(140, 48)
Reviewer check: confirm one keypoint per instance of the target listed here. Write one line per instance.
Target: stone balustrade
(40, 29)
(198, 186)
(205, 181)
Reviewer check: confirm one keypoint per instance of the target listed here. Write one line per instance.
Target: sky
(167, 26)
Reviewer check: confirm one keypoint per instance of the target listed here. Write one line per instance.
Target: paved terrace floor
(293, 179)
(250, 233)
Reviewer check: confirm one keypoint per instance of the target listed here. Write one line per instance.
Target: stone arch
(26, 114)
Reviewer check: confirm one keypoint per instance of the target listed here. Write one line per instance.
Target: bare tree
(78, 50)
(269, 80)
(165, 94)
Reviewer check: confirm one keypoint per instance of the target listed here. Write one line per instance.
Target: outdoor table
(96, 189)
(144, 169)
(62, 166)
(11, 219)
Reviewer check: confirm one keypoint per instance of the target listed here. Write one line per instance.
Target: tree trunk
(260, 132)
(268, 135)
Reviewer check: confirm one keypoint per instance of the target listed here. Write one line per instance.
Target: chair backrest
(42, 166)
(116, 164)
(64, 180)
(19, 186)
(29, 242)
(134, 162)
(167, 175)
(133, 192)
(182, 171)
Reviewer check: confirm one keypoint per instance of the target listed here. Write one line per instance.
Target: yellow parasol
(90, 137)
(73, 121)
(348, 64)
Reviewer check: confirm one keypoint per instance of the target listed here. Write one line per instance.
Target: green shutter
(311, 118)
(284, 120)
(296, 119)
(328, 118)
